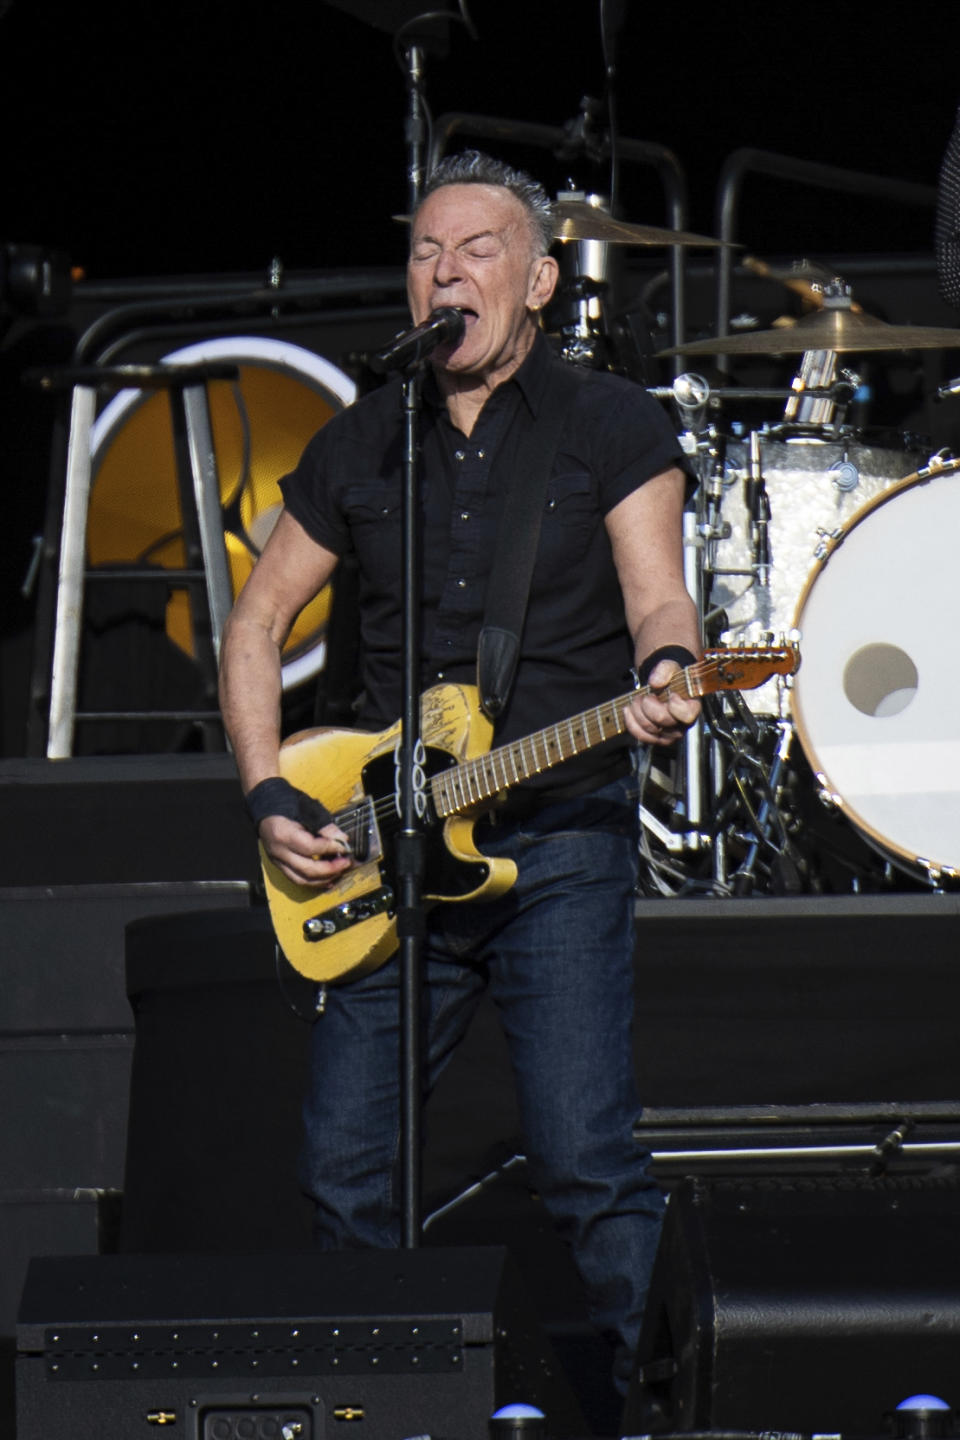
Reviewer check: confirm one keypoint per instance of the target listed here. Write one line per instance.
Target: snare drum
(814, 486)
(876, 702)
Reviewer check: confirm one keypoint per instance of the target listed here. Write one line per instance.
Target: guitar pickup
(351, 912)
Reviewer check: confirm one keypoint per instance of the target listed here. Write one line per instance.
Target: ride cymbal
(841, 330)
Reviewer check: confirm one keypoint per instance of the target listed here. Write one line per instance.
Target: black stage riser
(409, 1343)
(812, 1307)
(66, 1046)
(739, 1003)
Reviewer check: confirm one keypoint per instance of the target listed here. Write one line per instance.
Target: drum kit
(807, 529)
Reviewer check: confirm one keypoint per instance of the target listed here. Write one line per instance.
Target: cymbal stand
(817, 370)
(688, 789)
(758, 508)
(584, 337)
(693, 743)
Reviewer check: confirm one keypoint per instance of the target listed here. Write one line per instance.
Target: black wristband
(664, 652)
(276, 796)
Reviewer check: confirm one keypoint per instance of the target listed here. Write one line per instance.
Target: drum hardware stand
(817, 370)
(767, 816)
(818, 367)
(206, 574)
(692, 798)
(584, 338)
(738, 816)
(691, 394)
(758, 508)
(839, 390)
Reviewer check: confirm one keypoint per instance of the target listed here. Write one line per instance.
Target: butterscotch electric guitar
(351, 928)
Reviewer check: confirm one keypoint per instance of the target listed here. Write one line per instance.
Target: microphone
(691, 394)
(413, 346)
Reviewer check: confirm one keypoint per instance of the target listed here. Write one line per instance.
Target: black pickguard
(445, 875)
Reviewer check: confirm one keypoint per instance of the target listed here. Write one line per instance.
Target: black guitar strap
(518, 536)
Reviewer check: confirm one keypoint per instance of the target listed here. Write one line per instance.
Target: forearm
(250, 692)
(674, 622)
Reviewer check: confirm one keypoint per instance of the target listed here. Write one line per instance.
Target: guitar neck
(473, 781)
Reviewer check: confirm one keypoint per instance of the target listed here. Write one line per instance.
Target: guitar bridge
(351, 912)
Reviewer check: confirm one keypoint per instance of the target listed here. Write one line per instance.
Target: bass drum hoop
(829, 773)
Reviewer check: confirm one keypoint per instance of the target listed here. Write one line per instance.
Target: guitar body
(351, 928)
(354, 921)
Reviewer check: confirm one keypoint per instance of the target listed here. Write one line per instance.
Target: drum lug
(828, 798)
(939, 877)
(826, 541)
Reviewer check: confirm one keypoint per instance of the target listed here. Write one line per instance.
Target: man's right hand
(312, 860)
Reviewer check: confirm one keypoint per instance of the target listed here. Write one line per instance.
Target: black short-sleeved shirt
(576, 652)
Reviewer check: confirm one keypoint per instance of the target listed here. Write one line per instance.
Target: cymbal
(840, 330)
(805, 279)
(576, 220)
(805, 270)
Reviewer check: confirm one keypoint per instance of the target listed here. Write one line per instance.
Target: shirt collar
(530, 379)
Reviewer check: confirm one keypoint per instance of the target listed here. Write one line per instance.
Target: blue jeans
(557, 954)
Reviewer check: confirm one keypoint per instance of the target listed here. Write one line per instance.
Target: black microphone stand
(411, 841)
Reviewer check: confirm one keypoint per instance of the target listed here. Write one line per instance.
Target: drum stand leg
(718, 761)
(744, 877)
(693, 786)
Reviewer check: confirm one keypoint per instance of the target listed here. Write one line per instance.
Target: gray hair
(472, 167)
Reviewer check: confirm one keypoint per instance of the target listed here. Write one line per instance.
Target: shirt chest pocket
(570, 519)
(367, 504)
(372, 512)
(570, 500)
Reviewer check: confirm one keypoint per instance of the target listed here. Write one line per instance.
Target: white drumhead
(876, 701)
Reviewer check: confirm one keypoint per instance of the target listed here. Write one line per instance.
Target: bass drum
(876, 702)
(261, 423)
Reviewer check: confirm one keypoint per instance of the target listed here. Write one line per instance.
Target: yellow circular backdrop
(261, 423)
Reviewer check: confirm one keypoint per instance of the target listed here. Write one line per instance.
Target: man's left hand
(657, 719)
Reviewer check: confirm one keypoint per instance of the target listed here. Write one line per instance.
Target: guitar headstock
(742, 667)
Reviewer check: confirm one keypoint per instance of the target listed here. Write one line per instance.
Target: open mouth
(470, 316)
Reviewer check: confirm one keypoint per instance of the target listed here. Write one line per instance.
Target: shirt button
(481, 454)
(459, 454)
(464, 514)
(461, 584)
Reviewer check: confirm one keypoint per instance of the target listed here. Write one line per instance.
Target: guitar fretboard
(472, 782)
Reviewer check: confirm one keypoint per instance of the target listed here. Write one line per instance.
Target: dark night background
(197, 137)
(204, 139)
